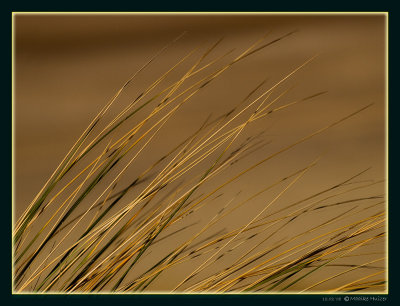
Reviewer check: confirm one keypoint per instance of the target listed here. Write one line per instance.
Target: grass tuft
(101, 225)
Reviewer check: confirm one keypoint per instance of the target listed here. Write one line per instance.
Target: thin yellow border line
(202, 13)
(385, 13)
(12, 151)
(387, 145)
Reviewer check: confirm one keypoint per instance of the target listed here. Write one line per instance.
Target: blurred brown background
(67, 66)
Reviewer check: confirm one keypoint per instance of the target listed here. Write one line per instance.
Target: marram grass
(98, 226)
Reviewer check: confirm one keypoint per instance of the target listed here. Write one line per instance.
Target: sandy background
(66, 67)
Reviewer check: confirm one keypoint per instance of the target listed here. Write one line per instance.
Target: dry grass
(88, 230)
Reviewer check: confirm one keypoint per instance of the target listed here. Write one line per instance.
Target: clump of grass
(95, 226)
